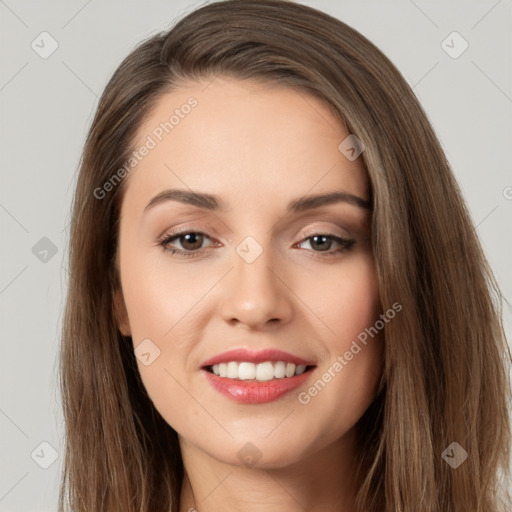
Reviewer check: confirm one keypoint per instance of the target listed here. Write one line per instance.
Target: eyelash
(167, 238)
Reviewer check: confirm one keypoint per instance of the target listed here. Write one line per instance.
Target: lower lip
(256, 392)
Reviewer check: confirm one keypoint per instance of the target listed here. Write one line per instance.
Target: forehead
(257, 141)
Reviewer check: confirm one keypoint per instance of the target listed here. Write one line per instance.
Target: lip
(255, 392)
(260, 356)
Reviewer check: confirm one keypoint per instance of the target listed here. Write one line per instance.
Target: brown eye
(322, 243)
(191, 241)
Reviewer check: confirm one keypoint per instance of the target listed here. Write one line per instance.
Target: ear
(121, 313)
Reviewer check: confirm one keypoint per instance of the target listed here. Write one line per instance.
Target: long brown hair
(446, 357)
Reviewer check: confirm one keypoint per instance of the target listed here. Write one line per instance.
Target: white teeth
(290, 369)
(232, 370)
(301, 368)
(263, 371)
(279, 369)
(246, 371)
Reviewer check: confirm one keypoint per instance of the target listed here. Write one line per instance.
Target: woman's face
(250, 272)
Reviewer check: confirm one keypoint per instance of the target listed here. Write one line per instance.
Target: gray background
(46, 108)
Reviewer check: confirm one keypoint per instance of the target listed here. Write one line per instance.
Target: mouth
(258, 372)
(257, 383)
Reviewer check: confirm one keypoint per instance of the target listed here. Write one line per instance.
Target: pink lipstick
(253, 377)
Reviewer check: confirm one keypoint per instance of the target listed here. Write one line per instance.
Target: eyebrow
(215, 203)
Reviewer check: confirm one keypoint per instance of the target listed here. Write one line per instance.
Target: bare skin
(258, 147)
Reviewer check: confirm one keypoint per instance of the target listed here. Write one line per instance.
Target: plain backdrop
(47, 103)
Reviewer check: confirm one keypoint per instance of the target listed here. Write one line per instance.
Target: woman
(332, 339)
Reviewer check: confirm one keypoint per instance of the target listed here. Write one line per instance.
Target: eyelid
(331, 231)
(174, 234)
(184, 230)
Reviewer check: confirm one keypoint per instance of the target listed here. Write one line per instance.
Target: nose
(256, 293)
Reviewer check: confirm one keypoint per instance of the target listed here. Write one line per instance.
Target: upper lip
(255, 356)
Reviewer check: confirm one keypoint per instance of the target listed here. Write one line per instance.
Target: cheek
(345, 298)
(348, 304)
(164, 308)
(160, 302)
(159, 295)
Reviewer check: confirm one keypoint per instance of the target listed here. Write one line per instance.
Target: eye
(191, 241)
(324, 242)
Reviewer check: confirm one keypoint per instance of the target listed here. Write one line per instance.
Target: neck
(324, 480)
